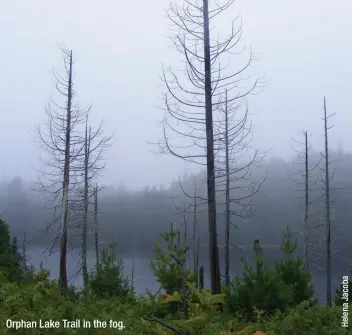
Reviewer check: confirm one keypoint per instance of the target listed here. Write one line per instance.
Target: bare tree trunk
(66, 180)
(65, 145)
(328, 215)
(96, 224)
(185, 302)
(24, 252)
(172, 236)
(201, 281)
(191, 21)
(185, 227)
(306, 206)
(194, 245)
(133, 270)
(227, 216)
(198, 254)
(85, 210)
(180, 266)
(211, 186)
(306, 179)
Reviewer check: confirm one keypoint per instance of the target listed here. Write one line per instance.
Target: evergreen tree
(107, 278)
(169, 266)
(277, 288)
(10, 258)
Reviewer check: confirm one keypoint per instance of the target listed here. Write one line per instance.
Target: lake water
(144, 278)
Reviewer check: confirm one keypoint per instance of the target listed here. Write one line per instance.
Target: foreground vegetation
(266, 300)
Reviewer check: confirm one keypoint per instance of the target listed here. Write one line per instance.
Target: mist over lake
(134, 220)
(144, 277)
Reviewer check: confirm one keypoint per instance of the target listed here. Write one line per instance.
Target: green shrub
(10, 258)
(169, 266)
(258, 297)
(271, 289)
(203, 313)
(301, 320)
(290, 271)
(170, 269)
(107, 278)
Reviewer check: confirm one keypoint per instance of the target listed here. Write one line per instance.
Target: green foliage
(303, 319)
(257, 298)
(271, 289)
(169, 266)
(300, 320)
(107, 278)
(41, 299)
(170, 270)
(291, 273)
(10, 258)
(203, 312)
(288, 246)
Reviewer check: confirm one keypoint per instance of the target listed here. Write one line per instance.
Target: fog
(303, 49)
(135, 220)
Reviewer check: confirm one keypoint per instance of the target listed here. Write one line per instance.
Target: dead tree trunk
(196, 107)
(133, 271)
(327, 212)
(185, 227)
(64, 144)
(198, 253)
(66, 181)
(85, 207)
(201, 281)
(306, 180)
(24, 252)
(227, 216)
(194, 236)
(211, 185)
(96, 224)
(306, 207)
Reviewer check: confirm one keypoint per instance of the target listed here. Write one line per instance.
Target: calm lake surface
(144, 278)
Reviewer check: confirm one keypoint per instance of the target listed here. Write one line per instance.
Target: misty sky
(303, 49)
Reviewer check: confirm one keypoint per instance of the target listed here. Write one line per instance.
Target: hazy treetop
(303, 49)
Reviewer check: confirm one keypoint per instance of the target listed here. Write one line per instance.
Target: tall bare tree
(306, 207)
(24, 252)
(85, 206)
(192, 209)
(93, 162)
(235, 162)
(63, 146)
(305, 180)
(191, 101)
(195, 233)
(96, 223)
(328, 203)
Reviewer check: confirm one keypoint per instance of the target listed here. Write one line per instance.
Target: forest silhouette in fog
(135, 219)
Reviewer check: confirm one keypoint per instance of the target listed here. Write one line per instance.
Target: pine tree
(10, 258)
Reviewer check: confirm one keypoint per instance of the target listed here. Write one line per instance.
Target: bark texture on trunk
(211, 187)
(227, 216)
(328, 214)
(306, 208)
(85, 211)
(66, 181)
(96, 224)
